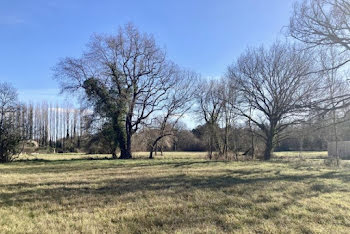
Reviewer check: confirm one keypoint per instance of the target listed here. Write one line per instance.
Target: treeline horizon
(61, 127)
(294, 93)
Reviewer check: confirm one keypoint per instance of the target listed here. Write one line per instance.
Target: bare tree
(178, 102)
(229, 114)
(335, 84)
(210, 108)
(125, 76)
(275, 88)
(323, 23)
(10, 135)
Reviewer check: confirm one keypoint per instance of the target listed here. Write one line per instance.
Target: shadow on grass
(136, 179)
(55, 191)
(43, 166)
(106, 187)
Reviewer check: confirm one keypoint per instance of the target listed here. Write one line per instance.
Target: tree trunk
(268, 147)
(253, 145)
(124, 141)
(154, 146)
(251, 135)
(125, 153)
(226, 141)
(337, 156)
(211, 141)
(210, 147)
(301, 142)
(128, 145)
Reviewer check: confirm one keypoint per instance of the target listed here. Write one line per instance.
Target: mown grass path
(179, 193)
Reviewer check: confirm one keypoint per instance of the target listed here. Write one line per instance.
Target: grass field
(177, 193)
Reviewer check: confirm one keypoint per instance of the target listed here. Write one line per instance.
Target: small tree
(10, 135)
(210, 108)
(177, 103)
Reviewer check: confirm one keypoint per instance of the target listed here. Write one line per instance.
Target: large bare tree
(125, 76)
(276, 88)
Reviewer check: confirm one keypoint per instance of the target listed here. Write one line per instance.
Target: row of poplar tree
(51, 125)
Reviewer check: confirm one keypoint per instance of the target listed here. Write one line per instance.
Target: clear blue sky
(203, 35)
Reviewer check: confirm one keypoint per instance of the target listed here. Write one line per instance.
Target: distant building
(343, 149)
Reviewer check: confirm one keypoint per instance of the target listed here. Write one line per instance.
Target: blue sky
(205, 36)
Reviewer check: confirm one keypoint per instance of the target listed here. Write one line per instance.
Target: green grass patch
(175, 193)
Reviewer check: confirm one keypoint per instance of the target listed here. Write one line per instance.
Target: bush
(10, 136)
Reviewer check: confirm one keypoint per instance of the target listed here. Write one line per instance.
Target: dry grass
(177, 193)
(303, 154)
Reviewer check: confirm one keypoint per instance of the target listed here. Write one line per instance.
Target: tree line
(51, 126)
(267, 96)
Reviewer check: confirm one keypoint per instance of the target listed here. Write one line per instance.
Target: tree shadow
(179, 183)
(44, 166)
(100, 191)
